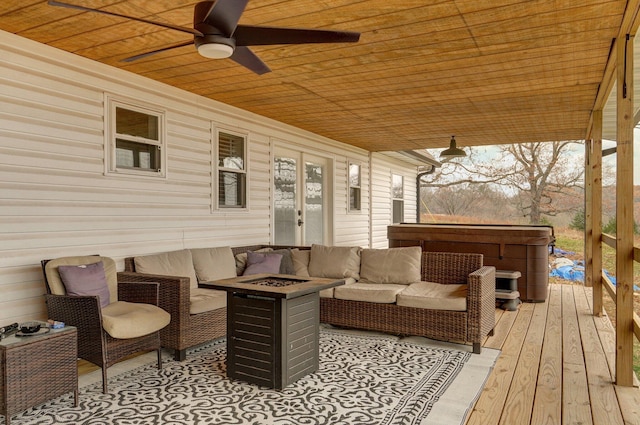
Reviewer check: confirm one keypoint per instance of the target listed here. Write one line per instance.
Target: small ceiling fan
(217, 35)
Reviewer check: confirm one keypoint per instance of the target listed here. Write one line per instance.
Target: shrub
(578, 221)
(611, 226)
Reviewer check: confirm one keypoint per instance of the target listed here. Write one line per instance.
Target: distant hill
(609, 202)
(484, 211)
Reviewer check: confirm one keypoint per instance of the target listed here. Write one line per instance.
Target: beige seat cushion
(370, 292)
(124, 320)
(300, 258)
(392, 265)
(174, 263)
(55, 282)
(434, 296)
(203, 299)
(328, 293)
(335, 262)
(213, 263)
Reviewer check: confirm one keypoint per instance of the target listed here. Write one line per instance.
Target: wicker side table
(37, 368)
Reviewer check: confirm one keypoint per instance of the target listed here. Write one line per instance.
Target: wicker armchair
(471, 325)
(85, 313)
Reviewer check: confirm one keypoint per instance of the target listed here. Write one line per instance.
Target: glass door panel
(314, 204)
(300, 199)
(285, 200)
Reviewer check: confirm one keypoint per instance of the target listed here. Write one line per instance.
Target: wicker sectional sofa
(440, 295)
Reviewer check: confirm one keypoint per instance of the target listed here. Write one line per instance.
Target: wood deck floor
(556, 367)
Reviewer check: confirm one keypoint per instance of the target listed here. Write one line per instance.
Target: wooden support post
(593, 212)
(624, 213)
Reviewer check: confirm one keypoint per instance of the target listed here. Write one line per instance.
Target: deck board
(518, 405)
(570, 353)
(489, 407)
(605, 409)
(547, 405)
(576, 408)
(504, 323)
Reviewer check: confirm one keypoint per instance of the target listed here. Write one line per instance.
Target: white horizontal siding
(351, 228)
(381, 203)
(55, 199)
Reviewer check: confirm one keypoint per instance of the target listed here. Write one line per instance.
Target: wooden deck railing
(611, 288)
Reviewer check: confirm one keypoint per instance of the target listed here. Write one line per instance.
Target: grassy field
(571, 240)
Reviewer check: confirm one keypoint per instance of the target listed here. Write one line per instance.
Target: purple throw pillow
(86, 279)
(262, 263)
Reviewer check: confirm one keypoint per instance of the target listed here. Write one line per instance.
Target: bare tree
(452, 201)
(543, 172)
(533, 174)
(465, 200)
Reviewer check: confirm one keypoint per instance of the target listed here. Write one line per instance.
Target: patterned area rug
(364, 378)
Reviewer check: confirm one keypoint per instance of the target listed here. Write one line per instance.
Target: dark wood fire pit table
(272, 327)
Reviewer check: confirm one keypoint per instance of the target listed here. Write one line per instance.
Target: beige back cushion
(213, 263)
(174, 263)
(55, 282)
(334, 262)
(300, 259)
(393, 265)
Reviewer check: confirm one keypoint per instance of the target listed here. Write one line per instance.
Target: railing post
(593, 212)
(624, 212)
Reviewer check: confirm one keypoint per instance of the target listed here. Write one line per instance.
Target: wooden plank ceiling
(490, 72)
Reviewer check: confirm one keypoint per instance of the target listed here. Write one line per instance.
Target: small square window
(136, 140)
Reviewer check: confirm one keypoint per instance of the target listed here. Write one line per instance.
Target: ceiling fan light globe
(215, 50)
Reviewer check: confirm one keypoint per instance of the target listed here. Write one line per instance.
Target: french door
(302, 190)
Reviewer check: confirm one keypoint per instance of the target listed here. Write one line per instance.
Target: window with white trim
(397, 198)
(355, 190)
(232, 171)
(136, 140)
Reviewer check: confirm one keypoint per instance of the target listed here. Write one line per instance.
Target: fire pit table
(272, 326)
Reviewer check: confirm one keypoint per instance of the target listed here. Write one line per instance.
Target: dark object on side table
(30, 327)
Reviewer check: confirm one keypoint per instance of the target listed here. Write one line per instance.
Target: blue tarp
(559, 252)
(575, 272)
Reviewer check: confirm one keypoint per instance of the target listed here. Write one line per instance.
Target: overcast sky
(610, 160)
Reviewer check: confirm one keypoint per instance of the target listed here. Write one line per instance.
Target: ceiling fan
(217, 35)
